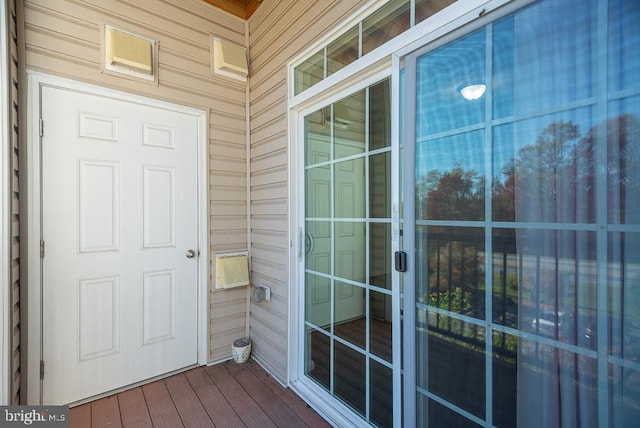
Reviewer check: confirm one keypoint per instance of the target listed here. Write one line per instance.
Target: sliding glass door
(347, 263)
(524, 147)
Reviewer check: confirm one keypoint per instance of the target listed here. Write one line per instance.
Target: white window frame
(383, 62)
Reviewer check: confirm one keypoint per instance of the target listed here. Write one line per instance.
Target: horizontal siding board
(266, 315)
(273, 92)
(216, 93)
(62, 23)
(264, 350)
(221, 119)
(269, 145)
(228, 136)
(227, 223)
(229, 149)
(224, 208)
(219, 326)
(271, 112)
(226, 309)
(221, 345)
(273, 270)
(269, 83)
(273, 222)
(228, 238)
(268, 130)
(227, 193)
(273, 175)
(198, 65)
(220, 296)
(80, 69)
(269, 191)
(268, 237)
(268, 252)
(231, 179)
(62, 44)
(271, 206)
(263, 39)
(233, 29)
(274, 159)
(149, 19)
(227, 164)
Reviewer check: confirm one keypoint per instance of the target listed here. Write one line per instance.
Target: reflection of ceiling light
(472, 90)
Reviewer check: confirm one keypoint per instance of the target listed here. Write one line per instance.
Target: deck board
(80, 416)
(106, 413)
(133, 409)
(278, 411)
(187, 403)
(241, 400)
(160, 405)
(295, 403)
(224, 395)
(218, 408)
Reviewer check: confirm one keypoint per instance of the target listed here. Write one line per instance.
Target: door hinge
(42, 249)
(41, 369)
(41, 127)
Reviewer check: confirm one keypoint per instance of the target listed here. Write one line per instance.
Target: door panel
(347, 273)
(119, 212)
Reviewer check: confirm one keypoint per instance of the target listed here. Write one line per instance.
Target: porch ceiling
(242, 8)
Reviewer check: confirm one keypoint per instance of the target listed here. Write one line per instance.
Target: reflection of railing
(546, 286)
(456, 284)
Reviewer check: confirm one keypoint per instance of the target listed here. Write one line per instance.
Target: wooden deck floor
(224, 395)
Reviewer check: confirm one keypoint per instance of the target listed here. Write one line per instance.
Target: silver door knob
(190, 254)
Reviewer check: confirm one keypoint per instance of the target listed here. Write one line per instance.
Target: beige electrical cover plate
(232, 271)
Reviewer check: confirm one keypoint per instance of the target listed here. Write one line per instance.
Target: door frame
(36, 81)
(390, 57)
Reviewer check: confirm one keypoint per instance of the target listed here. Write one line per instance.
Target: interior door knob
(190, 254)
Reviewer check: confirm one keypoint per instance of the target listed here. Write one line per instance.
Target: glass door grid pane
(344, 325)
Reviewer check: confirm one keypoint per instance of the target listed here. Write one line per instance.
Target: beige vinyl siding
(278, 31)
(63, 38)
(15, 205)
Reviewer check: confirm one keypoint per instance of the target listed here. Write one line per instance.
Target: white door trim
(34, 220)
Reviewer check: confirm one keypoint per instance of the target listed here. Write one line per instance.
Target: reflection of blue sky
(443, 154)
(440, 73)
(532, 71)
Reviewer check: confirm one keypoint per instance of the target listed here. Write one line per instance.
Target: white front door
(119, 225)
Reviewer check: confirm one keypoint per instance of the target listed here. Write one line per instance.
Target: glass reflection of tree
(622, 167)
(545, 176)
(550, 180)
(454, 195)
